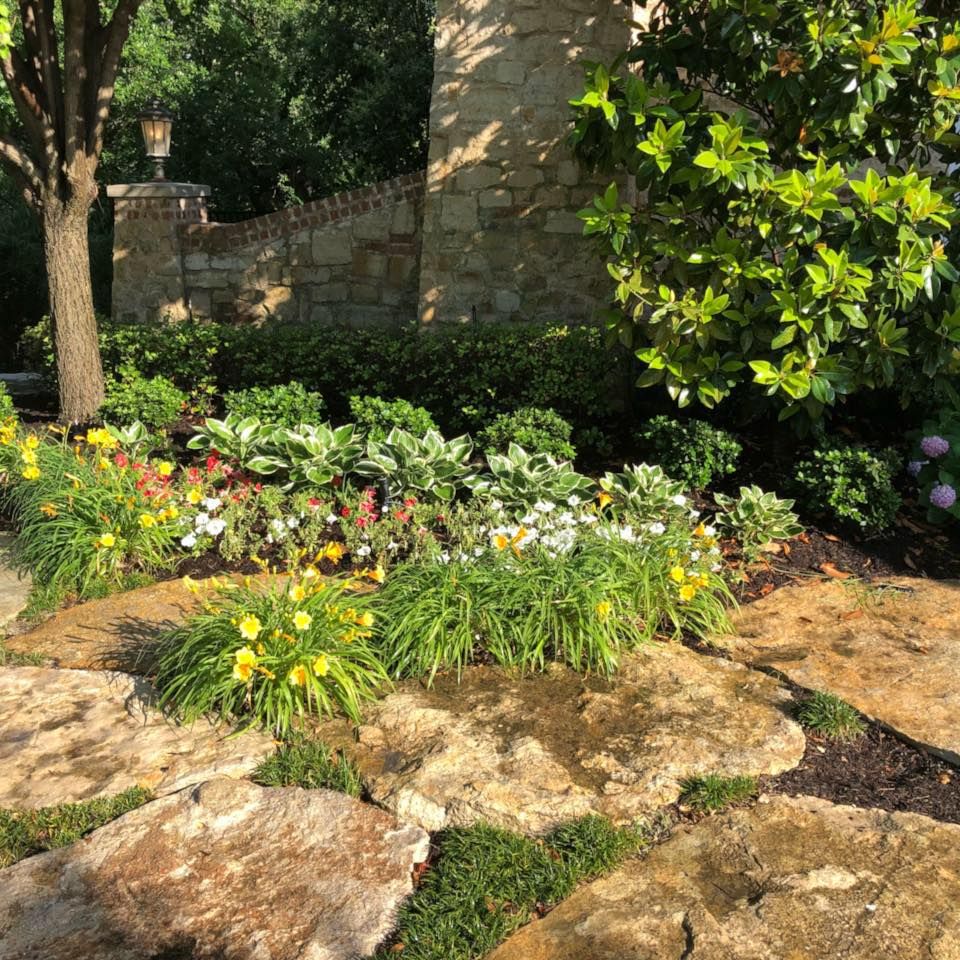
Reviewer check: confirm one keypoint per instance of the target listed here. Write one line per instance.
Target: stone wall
(353, 257)
(500, 229)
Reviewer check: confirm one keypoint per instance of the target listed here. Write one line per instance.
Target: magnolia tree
(60, 64)
(793, 160)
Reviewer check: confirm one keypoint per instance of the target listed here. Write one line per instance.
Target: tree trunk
(67, 253)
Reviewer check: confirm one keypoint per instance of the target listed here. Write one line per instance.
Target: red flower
(402, 517)
(361, 522)
(410, 502)
(337, 481)
(121, 460)
(344, 511)
(193, 475)
(314, 503)
(440, 518)
(257, 487)
(212, 461)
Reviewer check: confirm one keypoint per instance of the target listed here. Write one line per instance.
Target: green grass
(712, 793)
(10, 659)
(829, 716)
(26, 832)
(311, 765)
(488, 882)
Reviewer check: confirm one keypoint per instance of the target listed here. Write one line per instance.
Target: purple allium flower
(943, 496)
(934, 446)
(915, 466)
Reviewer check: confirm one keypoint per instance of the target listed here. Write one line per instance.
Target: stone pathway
(68, 735)
(225, 869)
(115, 633)
(791, 879)
(14, 585)
(530, 754)
(893, 653)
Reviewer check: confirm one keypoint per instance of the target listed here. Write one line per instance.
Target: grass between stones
(26, 832)
(309, 764)
(487, 882)
(10, 659)
(829, 716)
(713, 793)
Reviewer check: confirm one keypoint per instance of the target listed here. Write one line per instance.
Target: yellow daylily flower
(107, 540)
(365, 619)
(603, 609)
(165, 468)
(297, 593)
(603, 499)
(245, 662)
(250, 627)
(194, 496)
(378, 574)
(31, 473)
(302, 620)
(49, 510)
(298, 675)
(147, 520)
(32, 442)
(320, 666)
(688, 591)
(677, 574)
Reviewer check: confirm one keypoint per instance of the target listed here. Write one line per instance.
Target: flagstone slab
(791, 879)
(15, 585)
(891, 650)
(223, 869)
(118, 632)
(68, 735)
(530, 753)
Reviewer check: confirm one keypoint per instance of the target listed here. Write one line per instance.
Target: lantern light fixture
(156, 124)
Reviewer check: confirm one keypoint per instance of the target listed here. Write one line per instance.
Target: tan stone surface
(14, 584)
(792, 879)
(69, 735)
(115, 633)
(226, 869)
(894, 652)
(531, 753)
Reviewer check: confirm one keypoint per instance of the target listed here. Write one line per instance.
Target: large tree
(60, 66)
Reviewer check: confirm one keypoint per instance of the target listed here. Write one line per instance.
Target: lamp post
(156, 124)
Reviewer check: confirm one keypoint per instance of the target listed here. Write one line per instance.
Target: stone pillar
(501, 235)
(148, 274)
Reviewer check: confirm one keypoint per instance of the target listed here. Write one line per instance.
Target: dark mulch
(876, 770)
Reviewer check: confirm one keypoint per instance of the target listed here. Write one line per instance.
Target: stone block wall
(501, 234)
(353, 257)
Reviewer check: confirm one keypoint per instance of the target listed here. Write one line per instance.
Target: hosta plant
(245, 439)
(645, 493)
(518, 480)
(755, 518)
(316, 456)
(792, 233)
(429, 465)
(269, 654)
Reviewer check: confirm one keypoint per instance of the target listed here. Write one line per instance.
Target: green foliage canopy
(797, 196)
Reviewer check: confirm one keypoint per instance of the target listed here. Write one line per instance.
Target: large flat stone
(792, 879)
(224, 869)
(531, 753)
(68, 735)
(15, 584)
(893, 652)
(118, 632)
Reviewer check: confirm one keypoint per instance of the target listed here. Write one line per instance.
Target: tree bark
(67, 254)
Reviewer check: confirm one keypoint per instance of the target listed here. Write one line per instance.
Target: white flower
(717, 567)
(694, 514)
(478, 551)
(544, 506)
(211, 504)
(189, 541)
(680, 500)
(293, 523)
(589, 518)
(709, 531)
(363, 551)
(393, 546)
(215, 527)
(332, 518)
(694, 556)
(573, 500)
(445, 557)
(528, 519)
(201, 520)
(657, 528)
(496, 505)
(566, 518)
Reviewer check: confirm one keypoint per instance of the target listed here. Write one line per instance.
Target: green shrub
(6, 403)
(81, 518)
(466, 375)
(829, 716)
(534, 429)
(694, 452)
(287, 405)
(306, 763)
(155, 402)
(549, 594)
(755, 518)
(269, 656)
(26, 832)
(851, 484)
(814, 265)
(488, 882)
(376, 417)
(712, 793)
